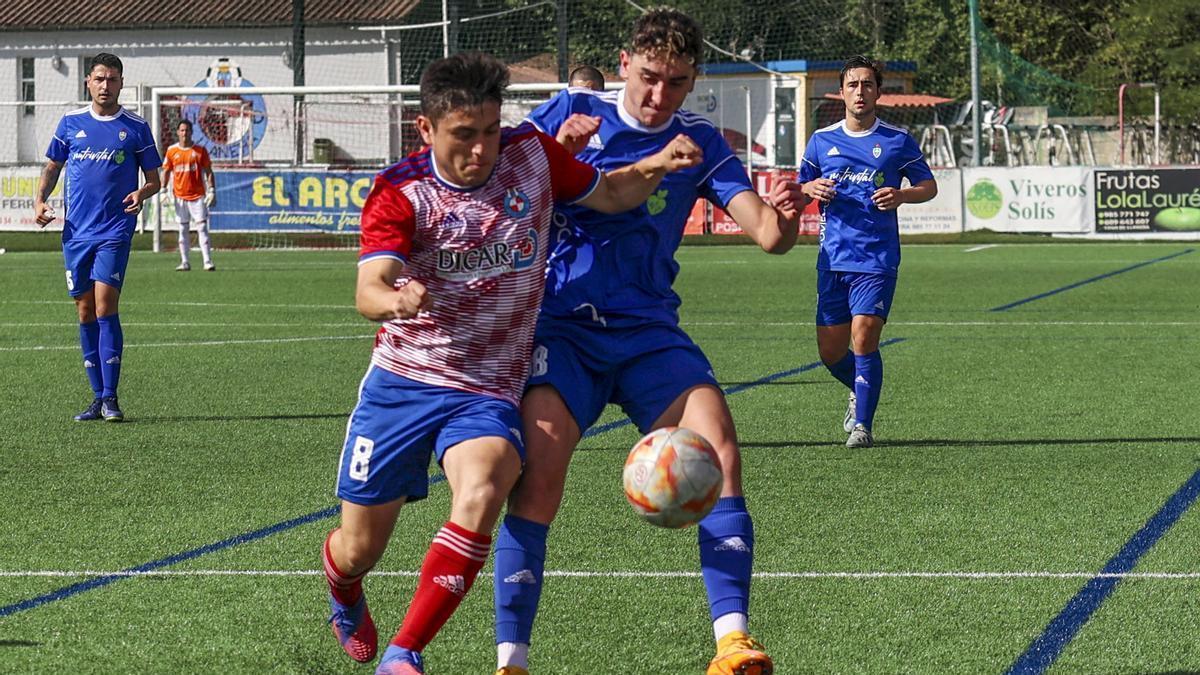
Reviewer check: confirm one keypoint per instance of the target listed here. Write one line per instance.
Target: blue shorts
(91, 260)
(844, 295)
(398, 423)
(643, 369)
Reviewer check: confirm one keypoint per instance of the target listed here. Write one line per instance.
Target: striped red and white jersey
(480, 252)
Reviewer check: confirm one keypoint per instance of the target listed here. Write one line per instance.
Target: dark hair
(185, 122)
(667, 32)
(588, 74)
(107, 60)
(465, 80)
(861, 61)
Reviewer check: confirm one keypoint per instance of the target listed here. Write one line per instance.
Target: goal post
(293, 165)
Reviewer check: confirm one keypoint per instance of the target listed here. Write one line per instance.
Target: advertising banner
(294, 200)
(941, 215)
(1029, 199)
(1147, 200)
(722, 223)
(18, 186)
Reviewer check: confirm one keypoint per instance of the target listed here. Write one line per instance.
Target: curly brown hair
(667, 32)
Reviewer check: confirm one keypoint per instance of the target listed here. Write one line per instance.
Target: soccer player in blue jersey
(102, 147)
(609, 330)
(854, 169)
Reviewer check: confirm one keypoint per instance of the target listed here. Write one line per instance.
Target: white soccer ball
(672, 477)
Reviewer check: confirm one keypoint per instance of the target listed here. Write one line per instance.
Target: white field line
(980, 248)
(213, 343)
(623, 574)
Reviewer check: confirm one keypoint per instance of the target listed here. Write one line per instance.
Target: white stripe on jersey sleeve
(714, 169)
(380, 255)
(589, 191)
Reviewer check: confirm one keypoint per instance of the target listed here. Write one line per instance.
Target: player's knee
(360, 551)
(536, 497)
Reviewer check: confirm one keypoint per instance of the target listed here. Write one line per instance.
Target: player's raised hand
(411, 299)
(887, 198)
(820, 189)
(134, 200)
(576, 131)
(43, 213)
(788, 198)
(681, 153)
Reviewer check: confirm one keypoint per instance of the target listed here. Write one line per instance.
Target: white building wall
(335, 56)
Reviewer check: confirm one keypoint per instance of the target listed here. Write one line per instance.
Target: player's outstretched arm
(630, 186)
(889, 198)
(42, 212)
(377, 297)
(774, 225)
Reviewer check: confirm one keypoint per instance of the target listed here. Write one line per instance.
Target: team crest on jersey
(122, 135)
(516, 203)
(876, 151)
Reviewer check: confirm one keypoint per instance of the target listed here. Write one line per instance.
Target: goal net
(293, 165)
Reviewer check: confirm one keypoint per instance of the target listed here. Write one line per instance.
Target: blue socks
(89, 342)
(727, 556)
(111, 345)
(868, 383)
(520, 561)
(844, 370)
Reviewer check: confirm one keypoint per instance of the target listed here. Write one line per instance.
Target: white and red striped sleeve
(388, 224)
(571, 180)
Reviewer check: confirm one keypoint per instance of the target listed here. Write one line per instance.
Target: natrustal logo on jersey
(488, 261)
(516, 203)
(452, 582)
(107, 154)
(851, 176)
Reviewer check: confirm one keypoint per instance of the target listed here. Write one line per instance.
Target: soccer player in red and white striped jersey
(454, 245)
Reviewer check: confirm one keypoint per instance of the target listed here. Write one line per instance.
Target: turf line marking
(729, 391)
(211, 343)
(99, 582)
(984, 247)
(1077, 284)
(619, 574)
(1047, 647)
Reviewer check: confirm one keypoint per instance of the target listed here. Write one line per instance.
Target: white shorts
(191, 211)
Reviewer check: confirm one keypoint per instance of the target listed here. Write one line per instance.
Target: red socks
(345, 589)
(451, 565)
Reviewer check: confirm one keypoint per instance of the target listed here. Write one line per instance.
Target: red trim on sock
(446, 577)
(345, 589)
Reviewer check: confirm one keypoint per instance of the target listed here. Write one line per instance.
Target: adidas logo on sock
(860, 379)
(733, 544)
(116, 360)
(88, 364)
(452, 582)
(522, 577)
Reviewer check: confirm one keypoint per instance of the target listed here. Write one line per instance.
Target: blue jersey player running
(102, 146)
(854, 168)
(609, 330)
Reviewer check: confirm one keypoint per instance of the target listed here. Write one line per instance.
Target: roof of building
(40, 15)
(904, 100)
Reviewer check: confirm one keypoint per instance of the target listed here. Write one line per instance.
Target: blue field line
(617, 424)
(101, 581)
(1077, 284)
(1043, 651)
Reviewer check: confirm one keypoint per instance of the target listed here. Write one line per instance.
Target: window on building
(27, 91)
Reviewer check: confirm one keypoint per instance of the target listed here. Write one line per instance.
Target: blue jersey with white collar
(103, 156)
(618, 269)
(856, 236)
